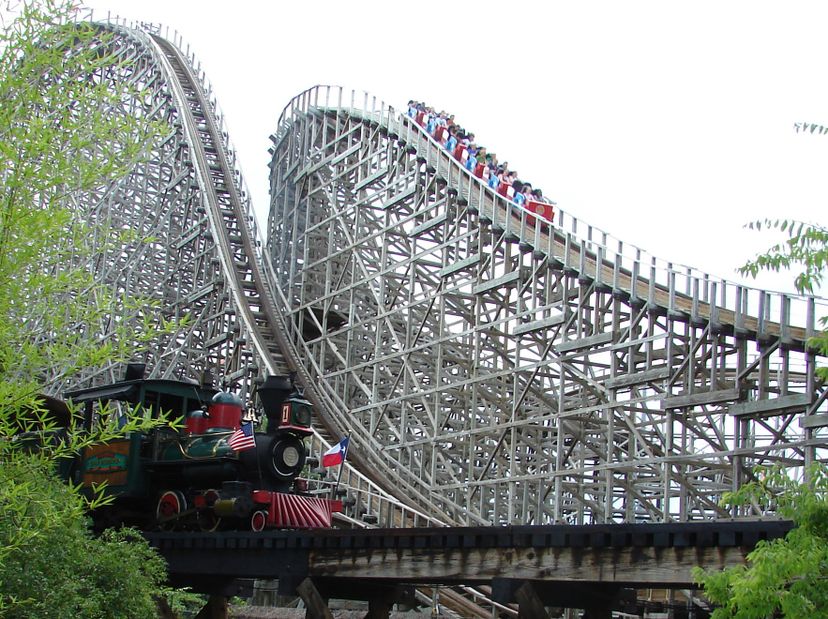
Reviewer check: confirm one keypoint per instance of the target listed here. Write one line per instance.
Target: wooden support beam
(537, 325)
(510, 279)
(700, 398)
(460, 265)
(316, 606)
(814, 421)
(165, 611)
(599, 339)
(644, 565)
(530, 604)
(429, 225)
(379, 608)
(637, 378)
(215, 608)
(781, 405)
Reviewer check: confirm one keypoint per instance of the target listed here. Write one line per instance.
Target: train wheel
(207, 518)
(258, 520)
(170, 506)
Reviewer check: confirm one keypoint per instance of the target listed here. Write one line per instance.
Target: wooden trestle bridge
(491, 368)
(515, 571)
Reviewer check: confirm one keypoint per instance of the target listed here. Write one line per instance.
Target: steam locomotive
(192, 478)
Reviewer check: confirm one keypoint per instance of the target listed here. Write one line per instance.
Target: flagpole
(258, 459)
(342, 464)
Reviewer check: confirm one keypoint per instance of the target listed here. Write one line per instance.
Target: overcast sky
(669, 125)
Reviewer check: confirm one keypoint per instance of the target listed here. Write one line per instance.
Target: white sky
(669, 125)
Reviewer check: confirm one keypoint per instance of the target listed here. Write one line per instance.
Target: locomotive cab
(120, 463)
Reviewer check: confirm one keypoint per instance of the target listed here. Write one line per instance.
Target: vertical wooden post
(379, 608)
(531, 606)
(314, 602)
(164, 609)
(215, 608)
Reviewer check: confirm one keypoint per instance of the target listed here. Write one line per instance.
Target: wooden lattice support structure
(194, 247)
(490, 366)
(497, 368)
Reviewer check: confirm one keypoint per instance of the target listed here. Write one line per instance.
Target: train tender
(192, 477)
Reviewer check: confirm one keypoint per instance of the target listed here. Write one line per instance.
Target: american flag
(243, 438)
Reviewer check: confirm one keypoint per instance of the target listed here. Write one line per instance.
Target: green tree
(70, 126)
(61, 570)
(67, 129)
(789, 575)
(805, 249)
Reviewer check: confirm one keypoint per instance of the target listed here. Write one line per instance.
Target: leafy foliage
(786, 576)
(70, 127)
(50, 564)
(805, 127)
(66, 129)
(806, 246)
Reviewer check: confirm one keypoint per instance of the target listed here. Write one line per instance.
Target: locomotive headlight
(290, 456)
(287, 457)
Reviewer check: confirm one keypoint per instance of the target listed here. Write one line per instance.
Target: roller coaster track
(204, 260)
(491, 367)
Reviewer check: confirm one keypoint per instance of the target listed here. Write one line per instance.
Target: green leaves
(787, 576)
(806, 246)
(51, 567)
(71, 126)
(804, 127)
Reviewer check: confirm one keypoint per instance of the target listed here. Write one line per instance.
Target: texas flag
(336, 454)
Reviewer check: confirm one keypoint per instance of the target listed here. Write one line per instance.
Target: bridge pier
(316, 605)
(379, 608)
(164, 609)
(530, 605)
(534, 596)
(215, 608)
(381, 596)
